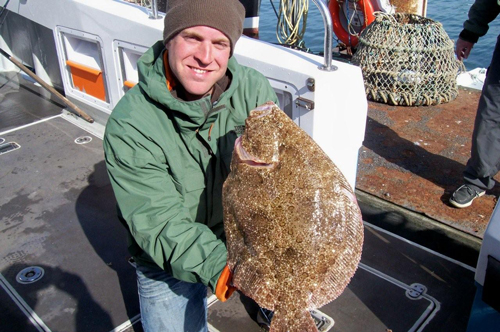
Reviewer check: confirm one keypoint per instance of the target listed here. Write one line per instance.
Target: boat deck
(413, 157)
(57, 212)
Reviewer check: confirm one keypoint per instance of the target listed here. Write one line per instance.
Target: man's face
(198, 57)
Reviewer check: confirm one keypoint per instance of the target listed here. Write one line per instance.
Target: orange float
(341, 22)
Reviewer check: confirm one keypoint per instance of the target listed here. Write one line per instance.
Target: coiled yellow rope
(292, 19)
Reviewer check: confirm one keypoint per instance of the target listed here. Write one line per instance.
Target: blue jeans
(168, 304)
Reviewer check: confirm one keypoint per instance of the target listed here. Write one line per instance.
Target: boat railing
(154, 10)
(327, 21)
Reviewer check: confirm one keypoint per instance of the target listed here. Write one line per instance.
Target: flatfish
(294, 229)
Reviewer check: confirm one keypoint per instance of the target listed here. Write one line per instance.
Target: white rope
(350, 27)
(386, 16)
(350, 16)
(292, 18)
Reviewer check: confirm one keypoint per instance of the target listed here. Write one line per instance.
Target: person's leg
(168, 304)
(485, 153)
(484, 162)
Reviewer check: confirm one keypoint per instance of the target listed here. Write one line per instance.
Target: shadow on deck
(413, 158)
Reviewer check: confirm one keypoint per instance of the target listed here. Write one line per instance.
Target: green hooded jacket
(167, 160)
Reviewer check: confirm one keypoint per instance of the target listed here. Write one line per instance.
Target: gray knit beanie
(227, 16)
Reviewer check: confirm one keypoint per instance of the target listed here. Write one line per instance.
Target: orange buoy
(357, 14)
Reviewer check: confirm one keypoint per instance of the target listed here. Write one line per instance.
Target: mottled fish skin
(293, 226)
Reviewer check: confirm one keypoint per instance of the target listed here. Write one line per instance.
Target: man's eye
(191, 38)
(222, 45)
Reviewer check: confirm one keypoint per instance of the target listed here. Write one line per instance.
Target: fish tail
(292, 321)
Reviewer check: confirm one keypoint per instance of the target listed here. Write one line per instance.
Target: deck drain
(30, 275)
(8, 147)
(83, 140)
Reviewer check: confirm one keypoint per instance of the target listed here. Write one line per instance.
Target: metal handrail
(154, 10)
(327, 21)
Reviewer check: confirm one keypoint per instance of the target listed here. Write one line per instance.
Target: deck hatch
(83, 66)
(126, 56)
(8, 147)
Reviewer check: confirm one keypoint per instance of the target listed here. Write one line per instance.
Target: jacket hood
(152, 81)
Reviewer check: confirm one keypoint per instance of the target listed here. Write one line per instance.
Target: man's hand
(463, 49)
(224, 287)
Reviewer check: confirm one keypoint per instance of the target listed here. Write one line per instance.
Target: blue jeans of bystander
(168, 304)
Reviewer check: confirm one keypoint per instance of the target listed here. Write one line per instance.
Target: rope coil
(407, 59)
(292, 21)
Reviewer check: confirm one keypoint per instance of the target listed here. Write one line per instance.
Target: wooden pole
(47, 87)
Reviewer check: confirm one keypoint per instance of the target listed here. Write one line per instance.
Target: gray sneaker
(463, 196)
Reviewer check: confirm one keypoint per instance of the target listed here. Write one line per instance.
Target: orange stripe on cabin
(87, 80)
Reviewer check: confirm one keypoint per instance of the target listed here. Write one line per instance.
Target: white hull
(111, 35)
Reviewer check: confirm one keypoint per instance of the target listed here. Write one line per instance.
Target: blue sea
(451, 14)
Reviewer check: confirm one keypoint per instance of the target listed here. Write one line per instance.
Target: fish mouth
(262, 111)
(247, 158)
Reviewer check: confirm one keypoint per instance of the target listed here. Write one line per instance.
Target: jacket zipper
(210, 132)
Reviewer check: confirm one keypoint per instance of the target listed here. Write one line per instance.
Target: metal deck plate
(58, 212)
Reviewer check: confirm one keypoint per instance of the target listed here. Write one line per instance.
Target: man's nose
(204, 53)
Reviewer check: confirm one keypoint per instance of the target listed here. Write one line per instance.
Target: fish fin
(292, 321)
(341, 272)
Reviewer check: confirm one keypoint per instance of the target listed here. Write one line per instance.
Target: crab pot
(407, 60)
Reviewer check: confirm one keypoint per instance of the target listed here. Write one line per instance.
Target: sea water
(451, 14)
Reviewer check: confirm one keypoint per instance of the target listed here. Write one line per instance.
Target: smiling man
(198, 58)
(168, 146)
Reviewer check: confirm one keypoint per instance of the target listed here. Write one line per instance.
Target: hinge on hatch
(306, 103)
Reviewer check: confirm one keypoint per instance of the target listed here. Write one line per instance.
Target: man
(168, 146)
(484, 162)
